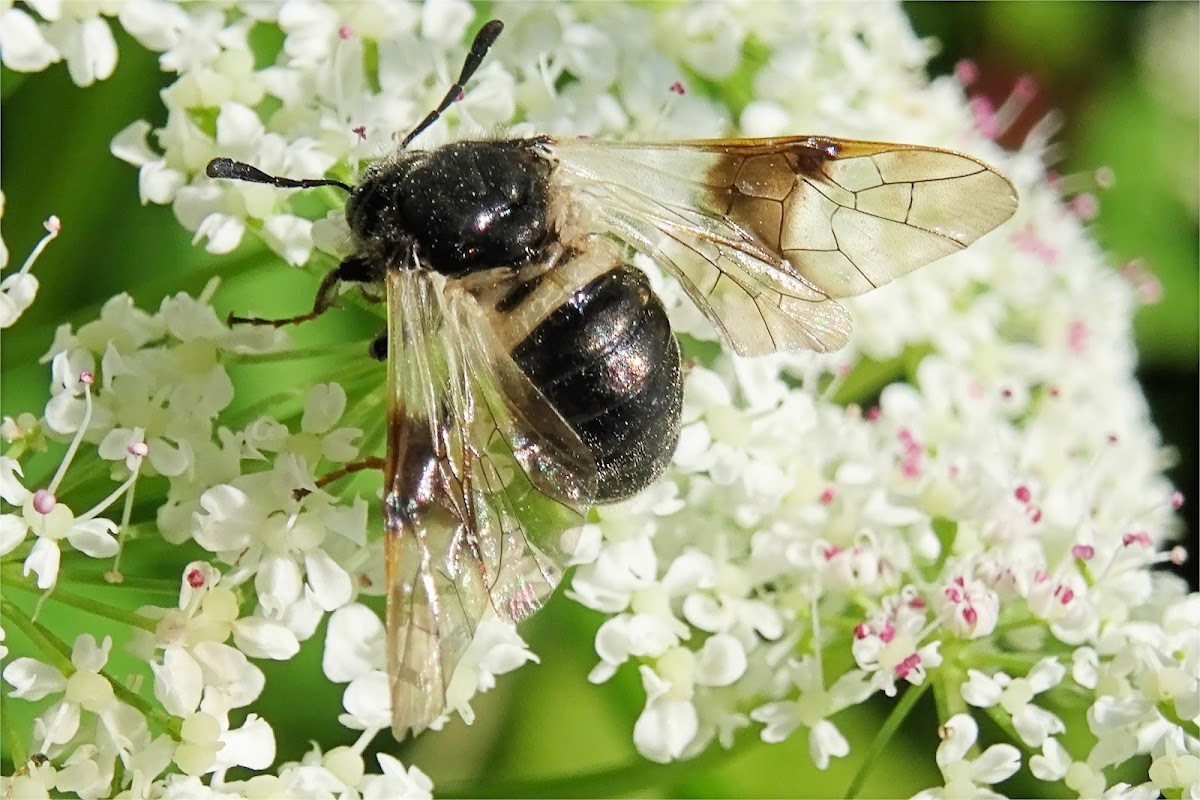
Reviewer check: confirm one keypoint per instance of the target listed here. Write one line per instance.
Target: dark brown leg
(370, 462)
(353, 269)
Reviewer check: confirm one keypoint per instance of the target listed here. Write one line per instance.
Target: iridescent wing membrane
(483, 475)
(765, 234)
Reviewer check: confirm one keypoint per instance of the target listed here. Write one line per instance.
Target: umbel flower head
(965, 504)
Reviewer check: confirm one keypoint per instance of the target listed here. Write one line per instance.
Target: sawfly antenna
(479, 48)
(240, 171)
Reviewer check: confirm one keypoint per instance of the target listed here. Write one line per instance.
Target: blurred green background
(1126, 78)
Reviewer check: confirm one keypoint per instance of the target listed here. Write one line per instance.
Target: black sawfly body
(532, 371)
(600, 349)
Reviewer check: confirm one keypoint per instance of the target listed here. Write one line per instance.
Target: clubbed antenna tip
(240, 171)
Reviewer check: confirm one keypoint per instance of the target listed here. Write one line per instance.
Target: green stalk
(888, 730)
(53, 649)
(89, 578)
(96, 607)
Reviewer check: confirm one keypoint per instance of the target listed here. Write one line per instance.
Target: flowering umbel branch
(968, 498)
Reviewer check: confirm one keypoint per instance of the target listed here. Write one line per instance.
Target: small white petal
(94, 537)
(58, 724)
(960, 732)
(1046, 674)
(721, 661)
(12, 491)
(664, 729)
(88, 654)
(228, 670)
(368, 701)
(178, 682)
(261, 638)
(289, 236)
(22, 44)
(353, 643)
(43, 559)
(826, 742)
(238, 125)
(33, 680)
(157, 182)
(981, 690)
(17, 293)
(1034, 724)
(331, 584)
(169, 459)
(130, 144)
(445, 22)
(996, 764)
(278, 583)
(223, 232)
(339, 445)
(251, 746)
(1053, 762)
(12, 532)
(779, 721)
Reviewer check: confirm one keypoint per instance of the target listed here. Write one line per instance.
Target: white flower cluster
(1004, 495)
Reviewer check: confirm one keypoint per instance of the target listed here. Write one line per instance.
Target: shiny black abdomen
(606, 359)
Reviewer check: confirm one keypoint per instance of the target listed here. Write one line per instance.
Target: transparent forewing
(483, 479)
(765, 234)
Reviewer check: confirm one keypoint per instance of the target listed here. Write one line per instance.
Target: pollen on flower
(677, 88)
(907, 665)
(1083, 552)
(360, 131)
(966, 71)
(1029, 240)
(195, 578)
(87, 377)
(1085, 206)
(1022, 494)
(1140, 538)
(1078, 336)
(345, 32)
(44, 501)
(138, 449)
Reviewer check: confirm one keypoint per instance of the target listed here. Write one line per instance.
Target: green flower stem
(52, 648)
(341, 349)
(1004, 722)
(13, 739)
(96, 607)
(168, 724)
(867, 379)
(57, 654)
(248, 414)
(1169, 713)
(634, 775)
(989, 660)
(89, 578)
(887, 731)
(154, 284)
